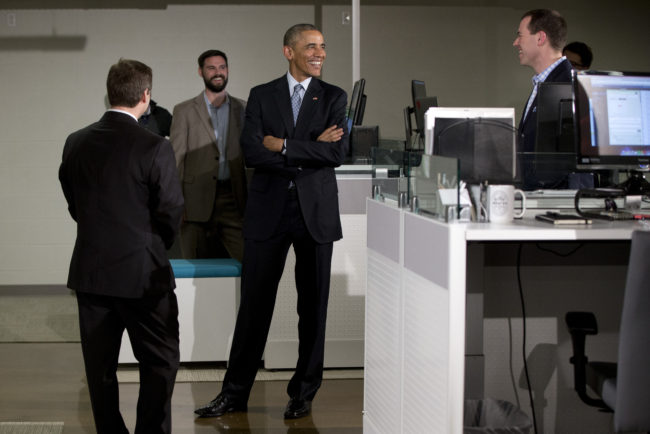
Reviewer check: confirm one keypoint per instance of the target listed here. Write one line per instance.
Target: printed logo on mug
(501, 203)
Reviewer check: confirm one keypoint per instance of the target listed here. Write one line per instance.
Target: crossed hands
(331, 134)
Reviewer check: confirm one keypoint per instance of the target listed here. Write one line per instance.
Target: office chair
(623, 387)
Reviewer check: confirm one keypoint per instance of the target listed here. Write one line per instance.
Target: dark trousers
(262, 269)
(219, 237)
(152, 324)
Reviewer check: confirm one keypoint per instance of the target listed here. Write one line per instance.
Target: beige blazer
(197, 155)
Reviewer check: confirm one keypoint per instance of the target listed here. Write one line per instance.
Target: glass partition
(389, 169)
(426, 184)
(434, 182)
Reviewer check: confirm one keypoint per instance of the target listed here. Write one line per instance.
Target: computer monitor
(554, 159)
(408, 129)
(421, 105)
(362, 110)
(418, 90)
(612, 117)
(357, 104)
(555, 131)
(482, 139)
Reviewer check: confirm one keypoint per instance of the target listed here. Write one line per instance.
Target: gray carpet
(43, 315)
(197, 375)
(31, 427)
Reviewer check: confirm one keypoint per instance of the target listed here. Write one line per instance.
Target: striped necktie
(296, 100)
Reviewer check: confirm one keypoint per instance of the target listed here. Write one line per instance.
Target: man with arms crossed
(205, 135)
(120, 182)
(294, 137)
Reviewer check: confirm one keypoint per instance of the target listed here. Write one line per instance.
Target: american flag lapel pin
(315, 98)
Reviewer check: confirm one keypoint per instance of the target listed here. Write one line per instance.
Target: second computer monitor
(482, 139)
(555, 131)
(421, 105)
(554, 159)
(357, 104)
(418, 90)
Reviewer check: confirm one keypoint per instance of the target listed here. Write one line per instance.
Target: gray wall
(465, 54)
(53, 65)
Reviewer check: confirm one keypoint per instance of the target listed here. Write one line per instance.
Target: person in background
(294, 135)
(579, 54)
(205, 134)
(122, 190)
(156, 119)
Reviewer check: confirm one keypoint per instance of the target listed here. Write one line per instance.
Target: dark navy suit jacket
(528, 126)
(308, 162)
(122, 189)
(530, 176)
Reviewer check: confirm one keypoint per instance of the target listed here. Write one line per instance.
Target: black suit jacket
(309, 163)
(122, 189)
(528, 126)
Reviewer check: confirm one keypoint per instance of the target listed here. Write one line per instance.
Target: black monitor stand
(632, 190)
(636, 184)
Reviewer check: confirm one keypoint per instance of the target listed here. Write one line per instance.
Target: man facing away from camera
(122, 190)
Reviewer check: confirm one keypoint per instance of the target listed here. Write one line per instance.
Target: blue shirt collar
(542, 76)
(208, 104)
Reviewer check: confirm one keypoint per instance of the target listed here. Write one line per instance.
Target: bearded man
(205, 134)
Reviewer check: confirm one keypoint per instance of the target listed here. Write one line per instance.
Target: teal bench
(208, 292)
(226, 267)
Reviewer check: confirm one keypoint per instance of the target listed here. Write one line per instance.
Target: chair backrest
(632, 411)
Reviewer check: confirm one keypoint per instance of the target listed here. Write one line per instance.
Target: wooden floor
(45, 382)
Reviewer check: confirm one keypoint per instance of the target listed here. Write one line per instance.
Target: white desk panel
(434, 267)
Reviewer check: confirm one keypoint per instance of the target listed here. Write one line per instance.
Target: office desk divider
(434, 181)
(429, 181)
(389, 167)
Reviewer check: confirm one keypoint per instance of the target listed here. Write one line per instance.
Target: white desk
(416, 311)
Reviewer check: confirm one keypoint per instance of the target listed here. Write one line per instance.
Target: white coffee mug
(501, 203)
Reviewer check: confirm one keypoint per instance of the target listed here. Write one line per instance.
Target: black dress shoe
(219, 406)
(297, 408)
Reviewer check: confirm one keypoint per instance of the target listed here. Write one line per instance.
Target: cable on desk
(523, 346)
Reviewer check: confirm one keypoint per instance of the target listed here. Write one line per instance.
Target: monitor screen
(361, 110)
(554, 159)
(612, 116)
(418, 90)
(422, 104)
(555, 118)
(356, 101)
(482, 139)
